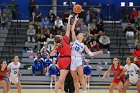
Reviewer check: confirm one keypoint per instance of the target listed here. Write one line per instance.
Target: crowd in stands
(132, 31)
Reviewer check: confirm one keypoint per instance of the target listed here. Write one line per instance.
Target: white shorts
(75, 62)
(14, 80)
(133, 79)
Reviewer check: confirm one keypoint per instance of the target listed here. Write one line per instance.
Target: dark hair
(1, 62)
(131, 58)
(117, 60)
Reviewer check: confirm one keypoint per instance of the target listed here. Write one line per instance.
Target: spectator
(4, 21)
(134, 14)
(31, 33)
(136, 51)
(8, 12)
(48, 62)
(53, 71)
(32, 5)
(136, 55)
(50, 42)
(46, 32)
(45, 51)
(14, 9)
(65, 17)
(94, 46)
(138, 29)
(41, 41)
(88, 18)
(34, 19)
(37, 13)
(59, 24)
(93, 29)
(51, 17)
(53, 30)
(100, 25)
(38, 64)
(137, 42)
(137, 20)
(46, 23)
(129, 31)
(105, 42)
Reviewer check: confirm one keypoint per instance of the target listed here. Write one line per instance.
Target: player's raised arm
(91, 54)
(68, 26)
(73, 28)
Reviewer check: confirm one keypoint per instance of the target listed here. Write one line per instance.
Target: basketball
(77, 9)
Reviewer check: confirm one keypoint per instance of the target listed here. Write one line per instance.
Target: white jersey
(14, 69)
(132, 72)
(77, 48)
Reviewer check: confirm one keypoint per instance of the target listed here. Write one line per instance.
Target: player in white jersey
(13, 68)
(76, 58)
(133, 78)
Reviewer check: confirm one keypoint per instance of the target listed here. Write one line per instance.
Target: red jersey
(116, 73)
(2, 73)
(136, 53)
(65, 52)
(134, 14)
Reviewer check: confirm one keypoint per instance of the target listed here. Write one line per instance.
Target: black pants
(69, 84)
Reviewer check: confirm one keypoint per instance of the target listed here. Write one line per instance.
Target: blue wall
(107, 11)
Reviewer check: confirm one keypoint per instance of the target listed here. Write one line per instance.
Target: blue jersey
(87, 69)
(38, 63)
(53, 70)
(48, 62)
(45, 54)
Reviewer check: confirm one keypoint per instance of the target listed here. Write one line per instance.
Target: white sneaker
(88, 85)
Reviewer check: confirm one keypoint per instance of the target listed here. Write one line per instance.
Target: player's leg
(81, 77)
(51, 80)
(88, 80)
(61, 80)
(127, 84)
(120, 87)
(19, 87)
(8, 86)
(75, 80)
(4, 84)
(138, 85)
(111, 87)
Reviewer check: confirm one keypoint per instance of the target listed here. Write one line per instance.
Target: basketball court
(46, 89)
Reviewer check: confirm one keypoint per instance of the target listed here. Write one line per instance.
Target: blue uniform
(87, 69)
(53, 70)
(38, 65)
(47, 62)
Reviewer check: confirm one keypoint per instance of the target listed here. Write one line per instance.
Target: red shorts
(64, 63)
(116, 81)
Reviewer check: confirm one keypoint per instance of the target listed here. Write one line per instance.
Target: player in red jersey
(3, 72)
(117, 69)
(62, 45)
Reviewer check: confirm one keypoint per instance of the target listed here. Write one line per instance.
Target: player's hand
(76, 17)
(70, 16)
